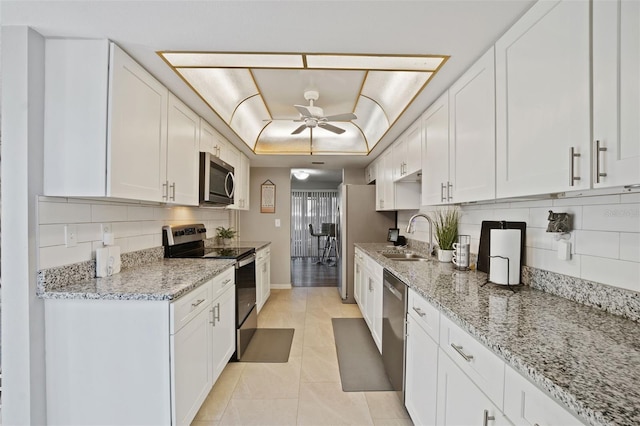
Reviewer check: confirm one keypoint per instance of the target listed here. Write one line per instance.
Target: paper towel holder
(510, 286)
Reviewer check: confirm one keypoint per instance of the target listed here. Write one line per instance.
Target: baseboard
(280, 286)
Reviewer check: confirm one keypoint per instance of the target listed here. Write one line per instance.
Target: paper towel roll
(505, 243)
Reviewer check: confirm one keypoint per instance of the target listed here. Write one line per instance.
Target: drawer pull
(487, 417)
(197, 302)
(419, 311)
(225, 282)
(458, 349)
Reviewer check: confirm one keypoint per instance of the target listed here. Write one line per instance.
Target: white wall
(23, 382)
(605, 243)
(135, 226)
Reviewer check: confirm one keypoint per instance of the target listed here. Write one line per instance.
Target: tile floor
(307, 389)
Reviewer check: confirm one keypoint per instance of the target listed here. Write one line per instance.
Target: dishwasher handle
(393, 291)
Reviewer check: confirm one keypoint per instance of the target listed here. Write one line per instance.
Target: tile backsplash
(136, 226)
(605, 241)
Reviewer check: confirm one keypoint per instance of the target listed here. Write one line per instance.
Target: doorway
(314, 216)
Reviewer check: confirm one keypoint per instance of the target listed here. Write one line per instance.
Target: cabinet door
(379, 183)
(472, 133)
(191, 368)
(137, 131)
(242, 176)
(222, 317)
(435, 152)
(421, 377)
(460, 402)
(542, 101)
(399, 159)
(413, 161)
(616, 92)
(376, 310)
(209, 139)
(357, 278)
(182, 153)
(370, 173)
(388, 194)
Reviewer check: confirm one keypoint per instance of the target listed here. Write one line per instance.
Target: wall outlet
(277, 223)
(71, 235)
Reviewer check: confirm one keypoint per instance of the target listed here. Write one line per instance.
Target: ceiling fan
(313, 116)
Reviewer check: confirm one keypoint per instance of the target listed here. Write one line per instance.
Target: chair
(318, 235)
(330, 244)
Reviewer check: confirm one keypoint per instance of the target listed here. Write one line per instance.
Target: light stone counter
(166, 279)
(584, 357)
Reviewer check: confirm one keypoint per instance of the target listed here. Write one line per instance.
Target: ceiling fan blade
(341, 117)
(299, 129)
(331, 128)
(303, 110)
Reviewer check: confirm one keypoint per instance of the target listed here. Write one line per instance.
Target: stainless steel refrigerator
(358, 222)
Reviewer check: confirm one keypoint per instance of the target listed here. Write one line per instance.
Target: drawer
(526, 404)
(477, 361)
(222, 282)
(263, 253)
(188, 306)
(425, 314)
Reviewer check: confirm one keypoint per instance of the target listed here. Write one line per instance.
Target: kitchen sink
(405, 257)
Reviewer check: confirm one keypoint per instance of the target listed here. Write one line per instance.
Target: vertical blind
(311, 207)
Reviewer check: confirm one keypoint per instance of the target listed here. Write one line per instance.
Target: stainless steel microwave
(217, 181)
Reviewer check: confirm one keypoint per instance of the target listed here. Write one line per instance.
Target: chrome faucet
(410, 229)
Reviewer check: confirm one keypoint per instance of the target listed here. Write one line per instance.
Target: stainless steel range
(188, 241)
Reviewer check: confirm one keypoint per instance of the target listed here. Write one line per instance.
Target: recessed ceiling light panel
(233, 60)
(375, 62)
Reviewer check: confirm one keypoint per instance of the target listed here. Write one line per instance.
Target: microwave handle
(233, 184)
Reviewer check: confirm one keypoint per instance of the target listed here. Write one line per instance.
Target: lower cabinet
(421, 384)
(460, 401)
(263, 276)
(137, 362)
(358, 273)
(368, 293)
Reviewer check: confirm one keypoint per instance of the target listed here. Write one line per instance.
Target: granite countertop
(212, 243)
(584, 357)
(166, 279)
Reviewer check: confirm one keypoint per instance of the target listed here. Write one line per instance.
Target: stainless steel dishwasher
(394, 312)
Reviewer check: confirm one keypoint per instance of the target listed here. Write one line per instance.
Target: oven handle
(245, 261)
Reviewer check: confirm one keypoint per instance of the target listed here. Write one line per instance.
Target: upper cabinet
(472, 133)
(370, 172)
(542, 101)
(616, 93)
(242, 176)
(106, 128)
(435, 158)
(407, 154)
(182, 153)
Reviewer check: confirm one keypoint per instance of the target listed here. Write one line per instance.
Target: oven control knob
(202, 230)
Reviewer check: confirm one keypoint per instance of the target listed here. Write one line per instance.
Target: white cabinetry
(371, 296)
(105, 123)
(182, 154)
(616, 93)
(407, 153)
(525, 404)
(472, 133)
(542, 101)
(263, 276)
(358, 277)
(435, 153)
(211, 141)
(104, 354)
(242, 183)
(112, 130)
(460, 402)
(421, 369)
(370, 173)
(223, 321)
(384, 181)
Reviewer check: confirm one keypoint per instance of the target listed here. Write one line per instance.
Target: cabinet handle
(572, 155)
(225, 282)
(449, 191)
(442, 191)
(197, 302)
(419, 311)
(458, 349)
(487, 417)
(173, 191)
(599, 149)
(216, 317)
(165, 190)
(370, 286)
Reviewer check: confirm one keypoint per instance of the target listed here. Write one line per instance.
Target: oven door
(217, 181)
(245, 287)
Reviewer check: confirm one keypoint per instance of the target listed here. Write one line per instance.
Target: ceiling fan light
(301, 175)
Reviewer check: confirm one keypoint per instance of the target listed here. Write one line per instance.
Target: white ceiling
(462, 29)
